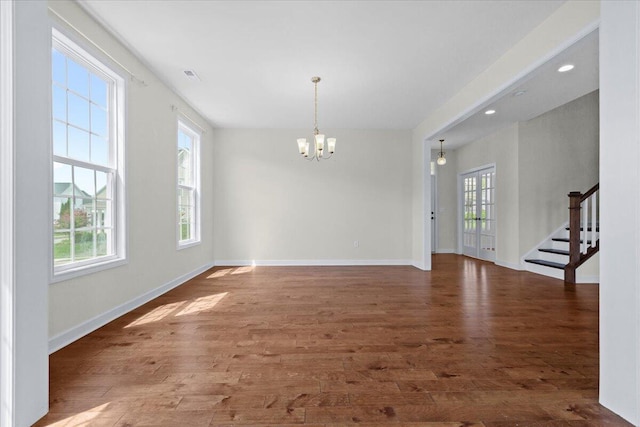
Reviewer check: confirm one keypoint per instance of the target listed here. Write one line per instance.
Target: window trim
(197, 137)
(96, 62)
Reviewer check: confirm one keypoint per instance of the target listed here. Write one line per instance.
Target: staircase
(571, 245)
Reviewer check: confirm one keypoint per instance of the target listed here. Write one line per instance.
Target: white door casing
(434, 219)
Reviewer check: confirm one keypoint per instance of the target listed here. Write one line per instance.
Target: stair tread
(546, 263)
(565, 239)
(554, 251)
(588, 229)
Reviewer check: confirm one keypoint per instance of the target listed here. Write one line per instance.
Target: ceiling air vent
(191, 74)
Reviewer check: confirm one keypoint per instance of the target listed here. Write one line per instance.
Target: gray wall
(558, 153)
(272, 206)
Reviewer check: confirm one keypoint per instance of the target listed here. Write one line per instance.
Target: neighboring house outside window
(87, 146)
(188, 197)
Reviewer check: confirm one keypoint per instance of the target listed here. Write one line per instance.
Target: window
(87, 137)
(188, 186)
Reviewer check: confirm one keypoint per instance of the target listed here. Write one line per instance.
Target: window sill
(84, 270)
(187, 244)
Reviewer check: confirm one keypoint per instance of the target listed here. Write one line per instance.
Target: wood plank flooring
(467, 344)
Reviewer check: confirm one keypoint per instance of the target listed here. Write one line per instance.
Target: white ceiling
(384, 64)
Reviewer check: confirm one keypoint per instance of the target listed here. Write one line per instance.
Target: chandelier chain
(315, 110)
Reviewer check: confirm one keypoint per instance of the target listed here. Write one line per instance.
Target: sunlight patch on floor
(219, 273)
(242, 270)
(202, 304)
(87, 418)
(233, 270)
(156, 314)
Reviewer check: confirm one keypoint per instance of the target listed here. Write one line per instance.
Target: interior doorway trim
(433, 223)
(7, 274)
(426, 206)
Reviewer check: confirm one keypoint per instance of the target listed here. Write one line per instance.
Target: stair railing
(583, 229)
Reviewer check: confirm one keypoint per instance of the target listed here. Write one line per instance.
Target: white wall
(447, 201)
(420, 202)
(273, 207)
(500, 149)
(620, 211)
(31, 192)
(558, 154)
(78, 305)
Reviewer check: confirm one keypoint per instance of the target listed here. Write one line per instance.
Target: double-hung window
(87, 145)
(188, 197)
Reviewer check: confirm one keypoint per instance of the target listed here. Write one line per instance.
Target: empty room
(322, 213)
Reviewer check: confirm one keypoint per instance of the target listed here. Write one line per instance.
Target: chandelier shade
(319, 151)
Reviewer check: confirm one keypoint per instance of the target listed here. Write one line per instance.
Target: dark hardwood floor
(467, 344)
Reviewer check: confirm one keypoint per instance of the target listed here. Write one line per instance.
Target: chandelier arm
(327, 157)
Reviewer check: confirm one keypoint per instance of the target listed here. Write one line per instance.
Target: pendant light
(319, 151)
(441, 159)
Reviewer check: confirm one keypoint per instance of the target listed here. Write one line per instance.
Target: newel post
(574, 236)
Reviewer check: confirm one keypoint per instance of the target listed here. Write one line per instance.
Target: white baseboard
(67, 337)
(445, 251)
(510, 265)
(419, 266)
(310, 262)
(588, 279)
(545, 271)
(559, 274)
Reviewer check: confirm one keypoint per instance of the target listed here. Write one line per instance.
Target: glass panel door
(487, 229)
(478, 208)
(469, 232)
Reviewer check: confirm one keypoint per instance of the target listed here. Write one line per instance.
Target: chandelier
(318, 138)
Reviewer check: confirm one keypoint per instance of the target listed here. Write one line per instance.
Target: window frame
(196, 137)
(97, 64)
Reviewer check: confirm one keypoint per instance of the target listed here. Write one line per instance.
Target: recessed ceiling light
(519, 93)
(565, 68)
(490, 112)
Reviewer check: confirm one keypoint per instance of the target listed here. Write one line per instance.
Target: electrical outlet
(356, 243)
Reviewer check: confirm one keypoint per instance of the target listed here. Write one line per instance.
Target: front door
(479, 214)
